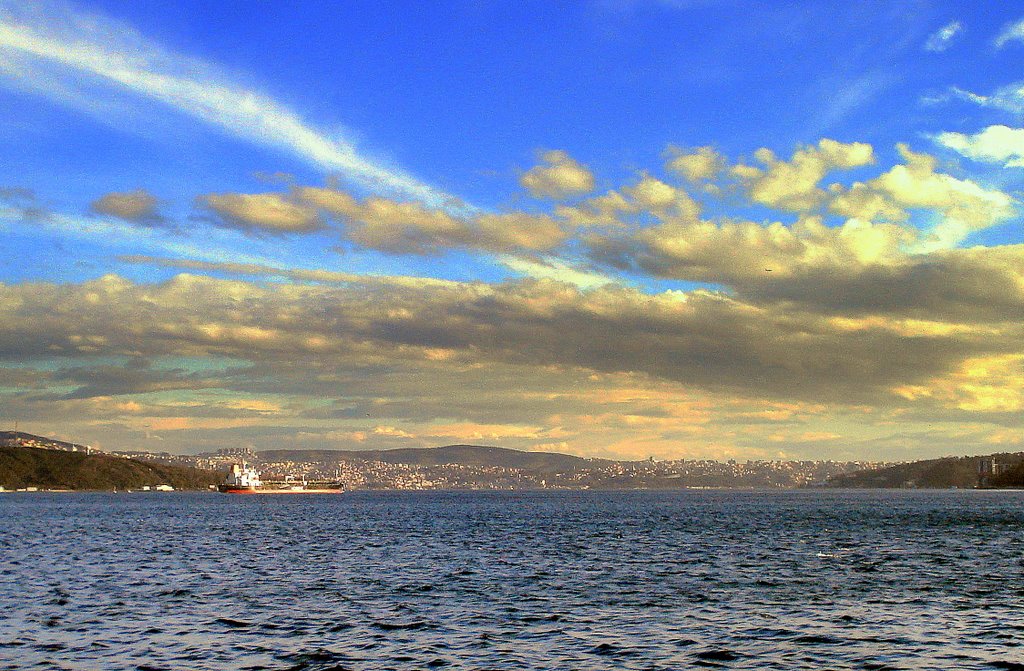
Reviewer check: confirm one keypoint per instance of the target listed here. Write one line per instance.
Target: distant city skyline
(611, 228)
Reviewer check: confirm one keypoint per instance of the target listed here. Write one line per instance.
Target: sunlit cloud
(402, 227)
(700, 164)
(558, 176)
(707, 340)
(138, 206)
(262, 212)
(793, 185)
(607, 372)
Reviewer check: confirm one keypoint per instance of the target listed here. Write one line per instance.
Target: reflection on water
(739, 580)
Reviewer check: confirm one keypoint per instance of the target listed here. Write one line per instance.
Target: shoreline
(522, 490)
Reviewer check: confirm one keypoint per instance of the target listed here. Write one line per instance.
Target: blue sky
(146, 142)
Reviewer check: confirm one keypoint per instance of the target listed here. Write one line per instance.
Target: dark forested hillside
(57, 469)
(938, 473)
(1013, 477)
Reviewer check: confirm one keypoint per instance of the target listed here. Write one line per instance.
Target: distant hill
(58, 469)
(22, 439)
(936, 474)
(467, 455)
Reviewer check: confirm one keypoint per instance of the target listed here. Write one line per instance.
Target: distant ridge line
(470, 455)
(22, 439)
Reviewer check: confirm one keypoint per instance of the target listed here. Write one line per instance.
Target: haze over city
(621, 229)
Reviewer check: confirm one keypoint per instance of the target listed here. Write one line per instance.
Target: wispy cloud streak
(105, 52)
(943, 38)
(1013, 32)
(110, 233)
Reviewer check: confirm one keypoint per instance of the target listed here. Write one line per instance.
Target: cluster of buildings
(359, 473)
(989, 469)
(19, 439)
(596, 474)
(731, 473)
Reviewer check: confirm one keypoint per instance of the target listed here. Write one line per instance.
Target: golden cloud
(964, 205)
(262, 212)
(558, 176)
(793, 185)
(137, 206)
(702, 164)
(412, 228)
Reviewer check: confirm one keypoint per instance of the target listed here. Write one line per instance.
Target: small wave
(317, 660)
(234, 624)
(51, 647)
(394, 626)
(719, 655)
(407, 589)
(610, 650)
(818, 639)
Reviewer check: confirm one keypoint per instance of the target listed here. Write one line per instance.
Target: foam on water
(634, 580)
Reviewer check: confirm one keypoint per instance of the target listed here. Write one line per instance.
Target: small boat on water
(244, 479)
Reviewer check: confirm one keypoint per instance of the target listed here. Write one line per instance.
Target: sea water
(517, 580)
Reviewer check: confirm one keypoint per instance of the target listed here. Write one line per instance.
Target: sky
(686, 229)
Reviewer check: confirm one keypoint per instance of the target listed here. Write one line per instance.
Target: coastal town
(388, 472)
(589, 474)
(474, 467)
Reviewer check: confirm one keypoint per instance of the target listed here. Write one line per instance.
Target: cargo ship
(244, 479)
(241, 479)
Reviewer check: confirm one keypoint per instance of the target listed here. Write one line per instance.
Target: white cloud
(558, 176)
(943, 38)
(114, 55)
(997, 144)
(1013, 32)
(560, 271)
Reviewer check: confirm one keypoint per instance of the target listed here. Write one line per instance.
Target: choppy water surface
(741, 580)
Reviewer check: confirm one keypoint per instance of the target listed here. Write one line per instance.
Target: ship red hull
(228, 489)
(246, 490)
